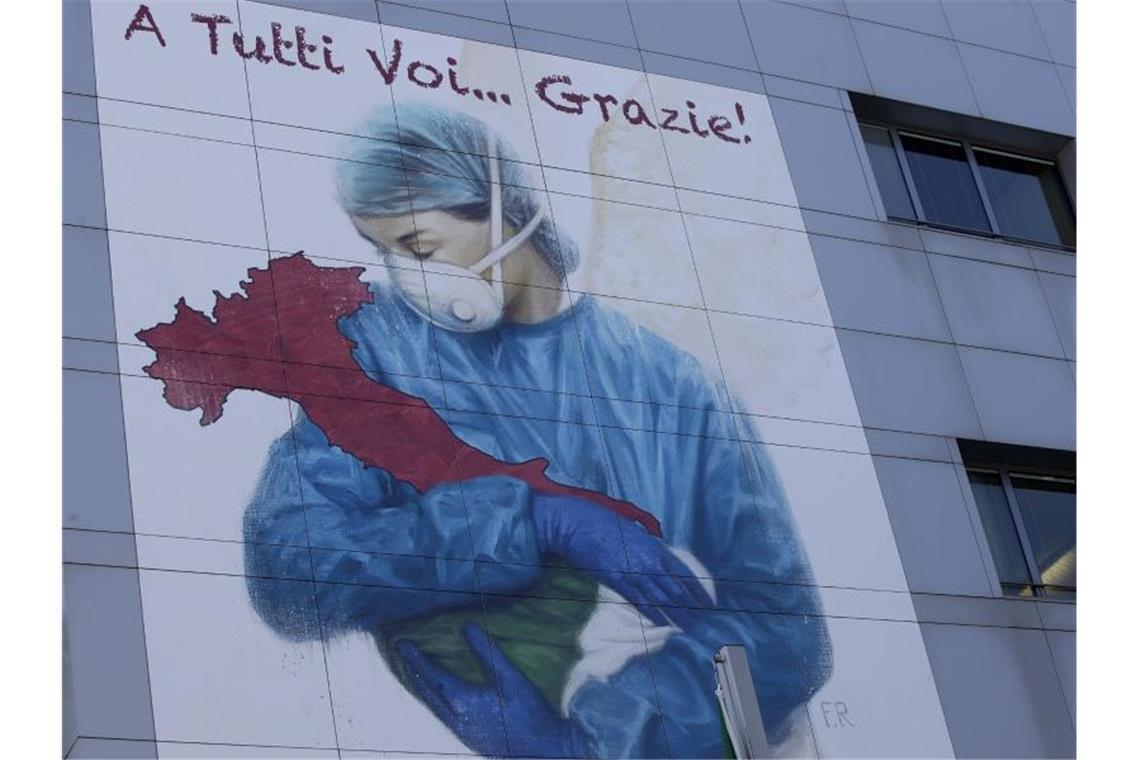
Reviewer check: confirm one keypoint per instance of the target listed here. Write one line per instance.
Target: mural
(510, 483)
(495, 392)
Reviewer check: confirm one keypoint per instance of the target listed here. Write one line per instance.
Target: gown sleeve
(378, 549)
(739, 527)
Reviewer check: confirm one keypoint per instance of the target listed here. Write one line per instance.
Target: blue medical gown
(614, 408)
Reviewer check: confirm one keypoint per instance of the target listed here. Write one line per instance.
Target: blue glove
(472, 712)
(621, 554)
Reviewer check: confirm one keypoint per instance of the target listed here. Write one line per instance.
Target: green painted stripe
(539, 632)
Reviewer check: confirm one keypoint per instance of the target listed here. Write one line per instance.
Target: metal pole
(738, 703)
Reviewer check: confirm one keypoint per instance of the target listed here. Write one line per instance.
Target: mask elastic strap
(509, 247)
(501, 250)
(496, 215)
(496, 195)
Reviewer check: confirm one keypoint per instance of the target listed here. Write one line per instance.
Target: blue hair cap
(420, 157)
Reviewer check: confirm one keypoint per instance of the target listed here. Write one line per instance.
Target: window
(1027, 196)
(1029, 514)
(964, 186)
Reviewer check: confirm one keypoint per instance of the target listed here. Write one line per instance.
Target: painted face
(435, 236)
(462, 286)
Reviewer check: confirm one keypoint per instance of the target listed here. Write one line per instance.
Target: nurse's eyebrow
(409, 237)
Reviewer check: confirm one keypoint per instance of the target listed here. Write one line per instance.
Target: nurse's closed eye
(421, 249)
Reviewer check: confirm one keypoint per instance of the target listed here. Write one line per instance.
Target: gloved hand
(621, 554)
(472, 712)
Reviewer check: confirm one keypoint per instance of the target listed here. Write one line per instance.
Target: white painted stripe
(616, 632)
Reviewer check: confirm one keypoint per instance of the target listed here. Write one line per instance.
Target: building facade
(457, 377)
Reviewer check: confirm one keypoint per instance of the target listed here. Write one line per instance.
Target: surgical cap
(419, 157)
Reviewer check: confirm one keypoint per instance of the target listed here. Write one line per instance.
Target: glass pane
(1028, 198)
(945, 183)
(888, 174)
(1049, 511)
(1000, 530)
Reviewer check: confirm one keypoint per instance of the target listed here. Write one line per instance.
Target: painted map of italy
(279, 336)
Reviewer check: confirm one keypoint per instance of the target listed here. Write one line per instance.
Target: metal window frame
(1006, 475)
(968, 147)
(980, 183)
(972, 149)
(898, 134)
(908, 180)
(1018, 156)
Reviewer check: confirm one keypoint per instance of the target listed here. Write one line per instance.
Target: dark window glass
(1049, 510)
(1027, 198)
(888, 173)
(945, 183)
(1001, 532)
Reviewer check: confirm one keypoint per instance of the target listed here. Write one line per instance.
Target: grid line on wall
(695, 191)
(741, 581)
(614, 298)
(813, 8)
(742, 453)
(304, 512)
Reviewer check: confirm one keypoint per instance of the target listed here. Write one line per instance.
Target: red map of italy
(279, 336)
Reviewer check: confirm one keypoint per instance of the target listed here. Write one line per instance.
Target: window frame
(1006, 473)
(979, 183)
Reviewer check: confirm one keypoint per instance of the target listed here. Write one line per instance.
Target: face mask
(453, 297)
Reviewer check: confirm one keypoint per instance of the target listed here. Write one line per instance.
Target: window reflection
(1027, 198)
(1001, 532)
(945, 183)
(1049, 509)
(1030, 523)
(956, 184)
